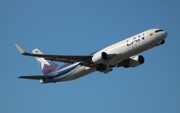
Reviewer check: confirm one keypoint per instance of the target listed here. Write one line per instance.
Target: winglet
(20, 49)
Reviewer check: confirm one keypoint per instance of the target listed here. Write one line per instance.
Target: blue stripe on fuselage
(64, 70)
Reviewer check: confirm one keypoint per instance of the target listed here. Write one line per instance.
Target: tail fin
(47, 66)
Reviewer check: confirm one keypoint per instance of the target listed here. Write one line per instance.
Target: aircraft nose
(165, 34)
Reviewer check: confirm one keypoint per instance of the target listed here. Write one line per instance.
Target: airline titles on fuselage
(135, 42)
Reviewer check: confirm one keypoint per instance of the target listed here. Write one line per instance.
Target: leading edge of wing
(35, 77)
(61, 58)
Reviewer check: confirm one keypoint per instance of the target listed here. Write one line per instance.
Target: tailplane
(47, 66)
(36, 77)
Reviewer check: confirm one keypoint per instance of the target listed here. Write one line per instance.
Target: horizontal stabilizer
(35, 77)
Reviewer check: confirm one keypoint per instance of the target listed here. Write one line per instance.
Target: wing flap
(35, 77)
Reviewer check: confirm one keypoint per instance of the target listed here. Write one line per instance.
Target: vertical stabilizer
(46, 66)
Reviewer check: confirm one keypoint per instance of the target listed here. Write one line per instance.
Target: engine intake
(99, 58)
(136, 61)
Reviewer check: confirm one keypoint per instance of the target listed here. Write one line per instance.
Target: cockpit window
(158, 31)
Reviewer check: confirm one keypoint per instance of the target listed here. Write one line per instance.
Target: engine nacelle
(99, 58)
(136, 61)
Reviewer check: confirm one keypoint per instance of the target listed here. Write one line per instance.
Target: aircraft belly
(82, 71)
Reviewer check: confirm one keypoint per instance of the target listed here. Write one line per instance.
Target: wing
(133, 61)
(60, 58)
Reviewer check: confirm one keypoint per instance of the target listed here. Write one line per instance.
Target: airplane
(120, 54)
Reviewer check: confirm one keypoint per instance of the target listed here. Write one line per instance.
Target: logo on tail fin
(42, 62)
(47, 66)
(37, 51)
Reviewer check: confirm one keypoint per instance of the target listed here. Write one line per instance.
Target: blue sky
(82, 27)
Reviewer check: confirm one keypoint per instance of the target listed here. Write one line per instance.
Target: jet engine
(99, 58)
(136, 61)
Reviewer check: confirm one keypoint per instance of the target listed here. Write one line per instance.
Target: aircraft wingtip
(20, 49)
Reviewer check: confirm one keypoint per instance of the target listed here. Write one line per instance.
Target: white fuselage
(123, 50)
